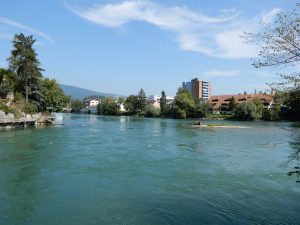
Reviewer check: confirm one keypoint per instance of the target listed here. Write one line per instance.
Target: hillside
(80, 93)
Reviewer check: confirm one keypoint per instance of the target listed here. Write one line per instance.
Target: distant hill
(80, 93)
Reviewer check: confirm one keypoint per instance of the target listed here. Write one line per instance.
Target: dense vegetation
(24, 80)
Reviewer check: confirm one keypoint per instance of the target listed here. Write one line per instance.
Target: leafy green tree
(108, 106)
(247, 111)
(201, 108)
(132, 104)
(184, 101)
(76, 105)
(24, 62)
(53, 96)
(178, 113)
(232, 104)
(163, 104)
(7, 82)
(259, 108)
(141, 100)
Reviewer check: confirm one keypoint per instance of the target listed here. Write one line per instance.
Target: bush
(5, 108)
(30, 108)
(178, 113)
(151, 111)
(247, 111)
(271, 114)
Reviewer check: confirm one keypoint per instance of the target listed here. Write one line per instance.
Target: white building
(157, 98)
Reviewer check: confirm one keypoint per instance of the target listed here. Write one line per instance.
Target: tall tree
(185, 102)
(141, 100)
(24, 62)
(232, 104)
(163, 104)
(53, 96)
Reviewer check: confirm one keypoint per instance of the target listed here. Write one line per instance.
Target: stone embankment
(9, 120)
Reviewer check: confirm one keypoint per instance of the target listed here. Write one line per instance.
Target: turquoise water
(121, 170)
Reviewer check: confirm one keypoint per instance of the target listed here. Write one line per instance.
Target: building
(220, 103)
(198, 88)
(157, 98)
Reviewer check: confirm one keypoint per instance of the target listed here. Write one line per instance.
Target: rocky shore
(8, 121)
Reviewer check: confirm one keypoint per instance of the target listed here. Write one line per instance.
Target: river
(125, 170)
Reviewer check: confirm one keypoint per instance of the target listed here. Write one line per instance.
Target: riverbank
(8, 121)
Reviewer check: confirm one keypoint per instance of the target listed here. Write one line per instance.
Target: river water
(122, 170)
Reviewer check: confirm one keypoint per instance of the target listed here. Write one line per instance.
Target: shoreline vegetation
(25, 91)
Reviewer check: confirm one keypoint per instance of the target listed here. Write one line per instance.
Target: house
(220, 103)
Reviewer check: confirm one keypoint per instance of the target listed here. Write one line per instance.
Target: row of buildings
(200, 90)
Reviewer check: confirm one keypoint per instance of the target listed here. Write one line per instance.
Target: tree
(280, 47)
(232, 104)
(53, 96)
(24, 62)
(163, 104)
(185, 102)
(108, 106)
(132, 104)
(247, 111)
(141, 100)
(201, 108)
(76, 105)
(7, 82)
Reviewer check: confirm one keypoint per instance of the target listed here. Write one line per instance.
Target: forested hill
(80, 93)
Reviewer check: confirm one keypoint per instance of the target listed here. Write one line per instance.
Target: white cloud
(269, 17)
(216, 36)
(12, 23)
(220, 73)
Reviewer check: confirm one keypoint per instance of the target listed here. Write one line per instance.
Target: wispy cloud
(216, 36)
(263, 74)
(220, 73)
(31, 30)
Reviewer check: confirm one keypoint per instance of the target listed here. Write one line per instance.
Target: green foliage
(53, 97)
(151, 111)
(248, 111)
(5, 108)
(30, 108)
(7, 82)
(178, 113)
(201, 108)
(132, 104)
(163, 104)
(280, 46)
(294, 104)
(141, 100)
(108, 106)
(232, 104)
(76, 105)
(184, 102)
(272, 114)
(23, 61)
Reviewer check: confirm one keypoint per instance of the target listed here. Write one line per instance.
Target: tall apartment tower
(198, 88)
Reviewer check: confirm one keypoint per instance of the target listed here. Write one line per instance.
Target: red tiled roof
(219, 100)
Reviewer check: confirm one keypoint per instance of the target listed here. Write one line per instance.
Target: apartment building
(198, 88)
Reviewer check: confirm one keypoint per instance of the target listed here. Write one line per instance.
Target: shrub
(151, 111)
(30, 108)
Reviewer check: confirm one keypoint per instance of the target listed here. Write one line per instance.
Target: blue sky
(121, 46)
